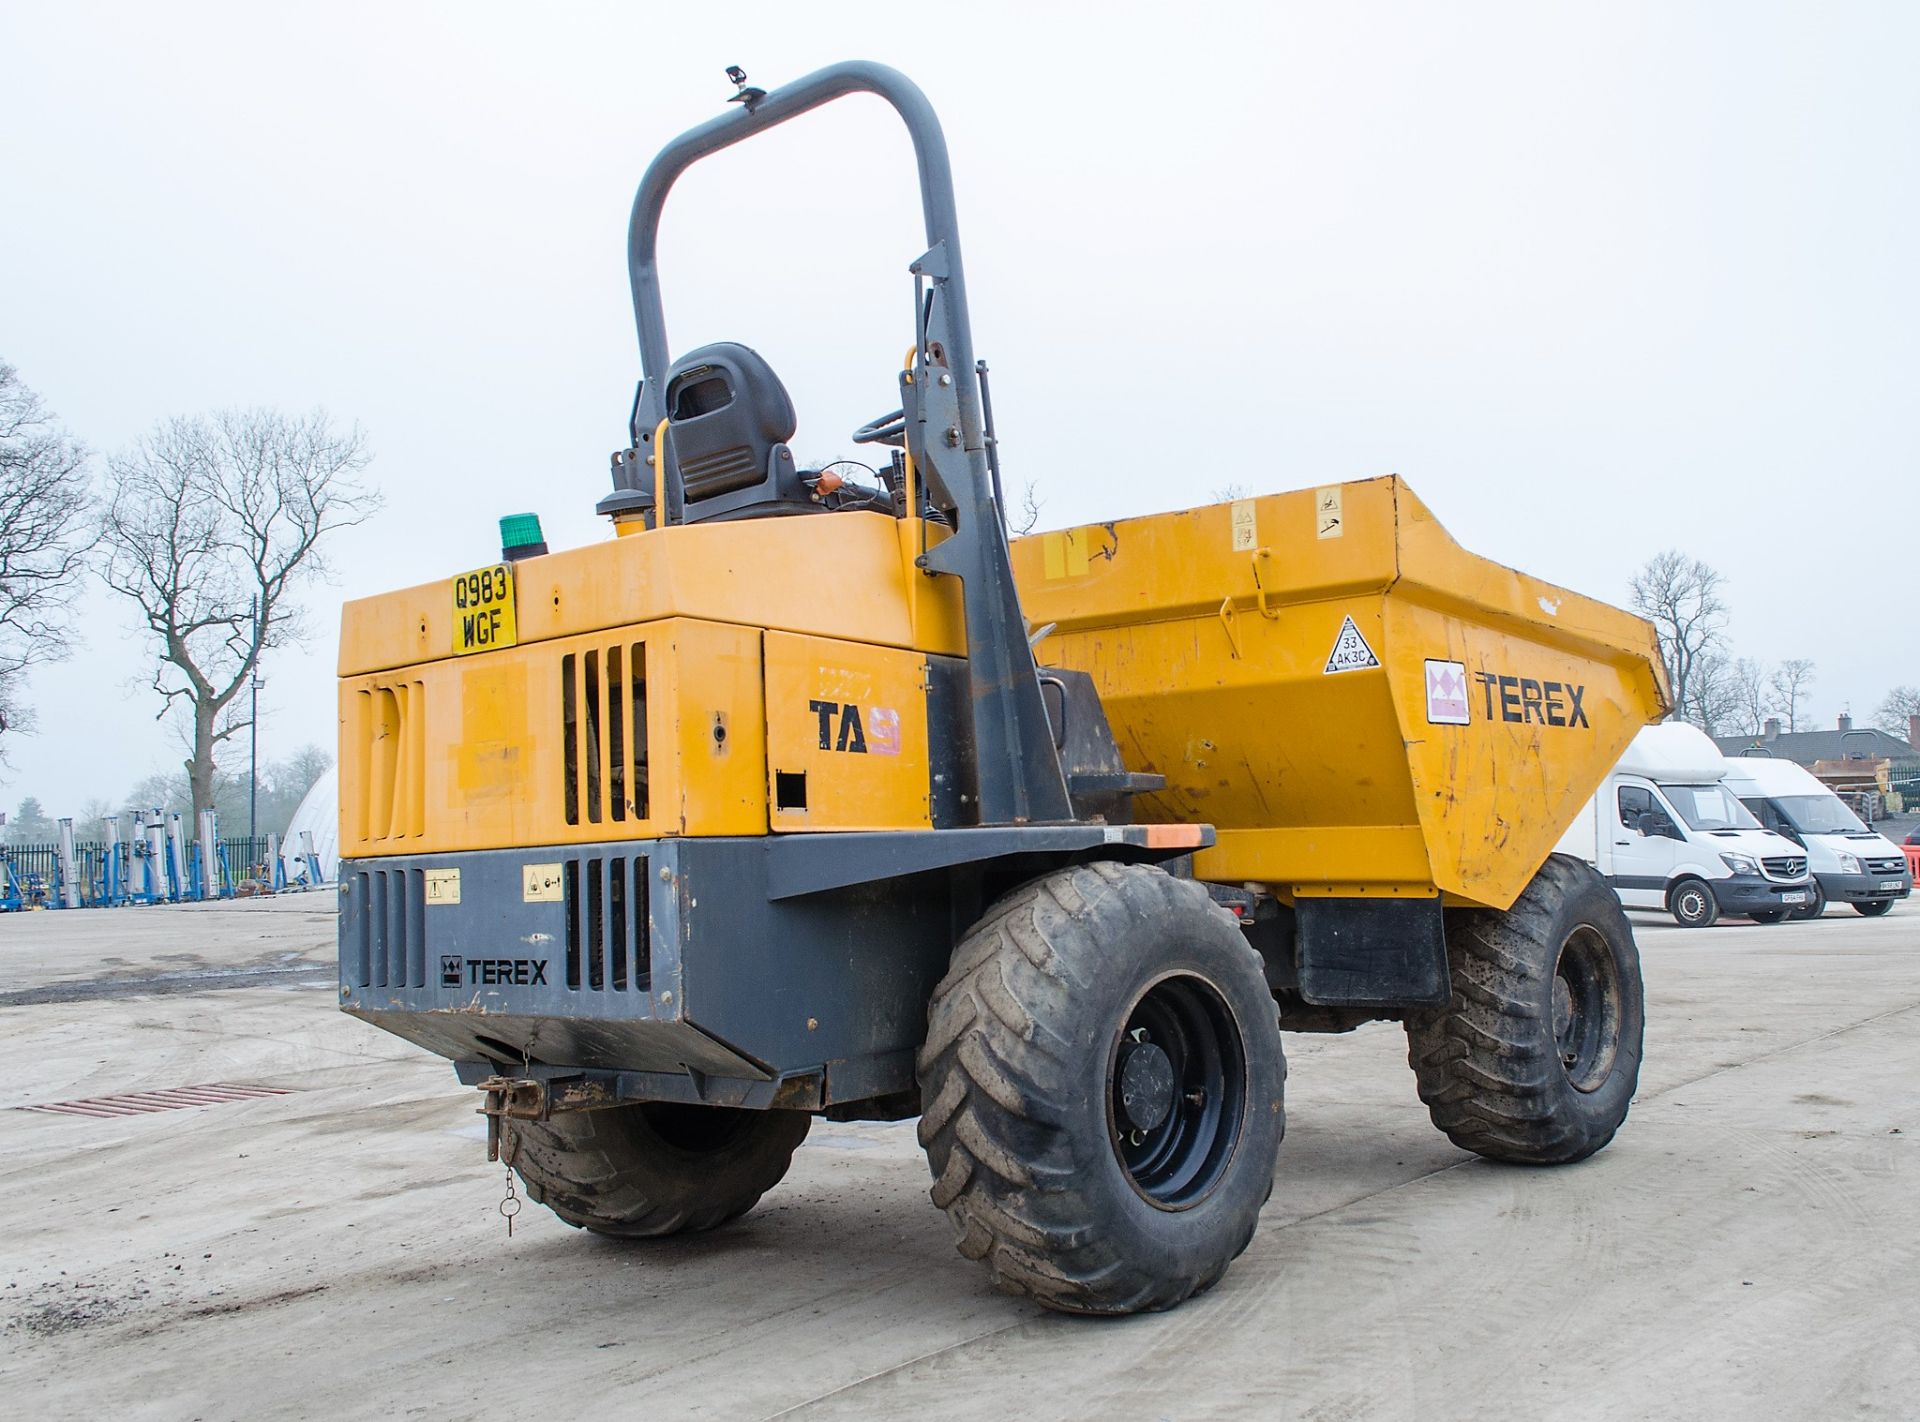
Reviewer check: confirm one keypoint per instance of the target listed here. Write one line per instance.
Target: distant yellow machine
(765, 808)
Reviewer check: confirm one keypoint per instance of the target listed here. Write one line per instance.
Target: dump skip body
(1359, 705)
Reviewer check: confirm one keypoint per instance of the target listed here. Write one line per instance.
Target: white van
(1851, 864)
(1667, 833)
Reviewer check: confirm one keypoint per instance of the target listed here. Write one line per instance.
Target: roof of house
(1805, 747)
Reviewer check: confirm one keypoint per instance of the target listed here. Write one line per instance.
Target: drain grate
(137, 1103)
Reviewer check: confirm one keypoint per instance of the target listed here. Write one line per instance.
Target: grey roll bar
(1018, 766)
(753, 116)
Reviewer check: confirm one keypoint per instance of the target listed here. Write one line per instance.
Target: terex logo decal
(1523, 699)
(492, 972)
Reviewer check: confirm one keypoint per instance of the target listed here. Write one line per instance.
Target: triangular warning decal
(1350, 651)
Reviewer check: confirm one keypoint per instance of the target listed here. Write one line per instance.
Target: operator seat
(728, 422)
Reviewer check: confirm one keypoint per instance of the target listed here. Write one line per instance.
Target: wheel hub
(1177, 1091)
(1146, 1085)
(1587, 1009)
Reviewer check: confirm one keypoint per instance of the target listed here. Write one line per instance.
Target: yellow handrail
(660, 475)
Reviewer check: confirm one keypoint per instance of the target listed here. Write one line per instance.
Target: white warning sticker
(1350, 651)
(1446, 693)
(1328, 520)
(1246, 533)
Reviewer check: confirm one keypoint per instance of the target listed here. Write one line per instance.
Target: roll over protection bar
(1019, 775)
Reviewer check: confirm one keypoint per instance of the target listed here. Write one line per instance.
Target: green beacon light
(520, 537)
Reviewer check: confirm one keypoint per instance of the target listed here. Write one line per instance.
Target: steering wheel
(888, 429)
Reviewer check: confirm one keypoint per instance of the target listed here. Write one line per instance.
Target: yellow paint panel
(852, 720)
(536, 744)
(840, 575)
(1065, 553)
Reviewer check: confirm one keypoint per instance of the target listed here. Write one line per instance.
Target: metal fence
(246, 857)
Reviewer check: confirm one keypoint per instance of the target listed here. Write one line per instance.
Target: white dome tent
(319, 814)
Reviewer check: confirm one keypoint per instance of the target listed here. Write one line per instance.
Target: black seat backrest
(729, 419)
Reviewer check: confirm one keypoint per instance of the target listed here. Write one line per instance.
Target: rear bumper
(788, 970)
(1747, 893)
(1864, 888)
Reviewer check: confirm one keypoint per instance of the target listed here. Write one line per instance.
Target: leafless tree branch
(1892, 714)
(1681, 597)
(1789, 685)
(44, 520)
(209, 519)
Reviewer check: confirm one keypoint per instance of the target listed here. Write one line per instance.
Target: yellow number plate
(483, 610)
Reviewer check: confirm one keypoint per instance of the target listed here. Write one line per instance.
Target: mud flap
(1387, 953)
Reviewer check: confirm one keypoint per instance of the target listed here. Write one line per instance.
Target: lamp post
(253, 729)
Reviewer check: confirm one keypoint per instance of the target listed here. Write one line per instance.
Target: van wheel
(1873, 910)
(1767, 915)
(1814, 908)
(1536, 1057)
(1693, 905)
(1102, 1077)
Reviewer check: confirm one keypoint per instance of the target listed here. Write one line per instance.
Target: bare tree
(1681, 597)
(1030, 505)
(213, 525)
(1713, 694)
(1789, 684)
(44, 533)
(1894, 712)
(1748, 698)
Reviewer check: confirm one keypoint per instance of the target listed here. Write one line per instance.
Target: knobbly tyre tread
(1486, 1065)
(1006, 1048)
(610, 1172)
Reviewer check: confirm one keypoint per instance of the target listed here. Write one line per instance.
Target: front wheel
(1768, 915)
(1816, 904)
(654, 1168)
(1693, 905)
(1536, 1057)
(1873, 910)
(1102, 1077)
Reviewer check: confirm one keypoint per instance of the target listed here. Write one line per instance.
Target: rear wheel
(1693, 905)
(1102, 1077)
(654, 1168)
(1874, 910)
(1536, 1057)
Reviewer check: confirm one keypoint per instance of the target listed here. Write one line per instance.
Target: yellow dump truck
(1041, 841)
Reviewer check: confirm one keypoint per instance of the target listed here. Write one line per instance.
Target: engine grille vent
(609, 944)
(1887, 866)
(1785, 867)
(603, 706)
(391, 728)
(384, 923)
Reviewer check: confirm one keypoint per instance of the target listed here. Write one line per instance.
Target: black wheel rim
(1586, 1008)
(1176, 1091)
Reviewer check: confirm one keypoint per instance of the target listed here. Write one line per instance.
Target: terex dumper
(670, 854)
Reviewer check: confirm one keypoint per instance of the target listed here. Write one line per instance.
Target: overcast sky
(1598, 280)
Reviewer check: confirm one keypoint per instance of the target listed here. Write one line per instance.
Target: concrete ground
(1748, 1248)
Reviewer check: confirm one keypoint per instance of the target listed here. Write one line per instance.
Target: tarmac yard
(1749, 1247)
